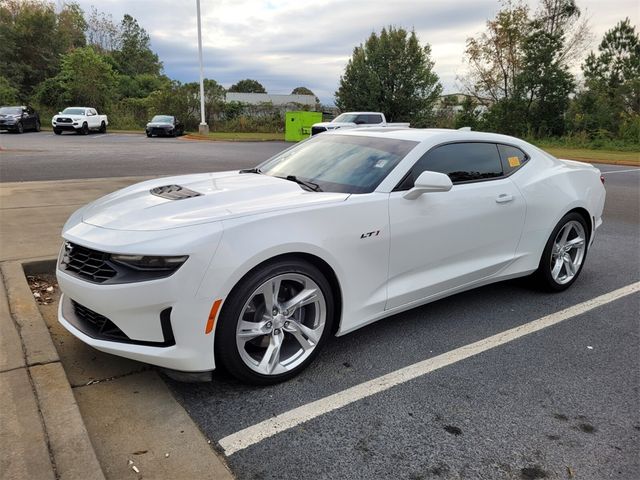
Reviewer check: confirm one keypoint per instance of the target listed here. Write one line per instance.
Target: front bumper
(161, 321)
(9, 126)
(160, 131)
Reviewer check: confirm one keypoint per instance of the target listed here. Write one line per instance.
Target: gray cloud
(286, 43)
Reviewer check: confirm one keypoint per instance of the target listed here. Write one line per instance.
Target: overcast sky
(288, 43)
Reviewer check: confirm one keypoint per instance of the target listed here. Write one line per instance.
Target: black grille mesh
(97, 325)
(86, 263)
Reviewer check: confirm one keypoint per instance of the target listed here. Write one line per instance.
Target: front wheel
(20, 128)
(57, 131)
(564, 254)
(103, 127)
(85, 129)
(274, 322)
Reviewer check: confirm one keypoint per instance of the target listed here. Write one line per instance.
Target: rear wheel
(37, 125)
(564, 254)
(274, 322)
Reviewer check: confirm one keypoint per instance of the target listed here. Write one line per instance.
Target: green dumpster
(298, 125)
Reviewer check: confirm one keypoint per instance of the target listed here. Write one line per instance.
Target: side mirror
(429, 182)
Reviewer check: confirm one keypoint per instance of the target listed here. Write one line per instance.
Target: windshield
(10, 111)
(346, 117)
(340, 163)
(73, 111)
(162, 119)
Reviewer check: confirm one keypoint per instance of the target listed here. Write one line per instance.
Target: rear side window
(512, 158)
(373, 119)
(462, 162)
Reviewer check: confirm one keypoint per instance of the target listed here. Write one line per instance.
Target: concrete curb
(70, 449)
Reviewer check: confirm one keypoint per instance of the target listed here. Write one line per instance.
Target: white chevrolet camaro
(254, 270)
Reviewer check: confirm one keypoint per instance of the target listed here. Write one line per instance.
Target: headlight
(150, 263)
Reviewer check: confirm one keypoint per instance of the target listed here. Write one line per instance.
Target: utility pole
(203, 128)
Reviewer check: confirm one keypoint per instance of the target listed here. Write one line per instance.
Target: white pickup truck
(355, 120)
(80, 120)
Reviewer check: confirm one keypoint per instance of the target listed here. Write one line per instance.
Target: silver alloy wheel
(568, 252)
(281, 324)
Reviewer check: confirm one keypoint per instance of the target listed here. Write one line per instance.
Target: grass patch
(596, 156)
(239, 136)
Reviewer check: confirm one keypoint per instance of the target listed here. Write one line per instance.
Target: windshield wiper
(250, 170)
(305, 183)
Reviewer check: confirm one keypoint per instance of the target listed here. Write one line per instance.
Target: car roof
(430, 135)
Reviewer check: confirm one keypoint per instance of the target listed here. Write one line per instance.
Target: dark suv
(19, 119)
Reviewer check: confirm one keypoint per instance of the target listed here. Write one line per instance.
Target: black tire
(148, 135)
(84, 130)
(543, 277)
(57, 131)
(103, 127)
(226, 349)
(20, 128)
(37, 125)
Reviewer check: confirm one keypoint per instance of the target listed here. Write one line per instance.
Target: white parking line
(621, 171)
(285, 421)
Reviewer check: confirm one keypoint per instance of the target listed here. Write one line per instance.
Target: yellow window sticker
(514, 162)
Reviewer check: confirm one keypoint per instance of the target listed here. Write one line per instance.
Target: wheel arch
(317, 262)
(584, 213)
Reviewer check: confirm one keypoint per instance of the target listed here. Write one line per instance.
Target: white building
(274, 99)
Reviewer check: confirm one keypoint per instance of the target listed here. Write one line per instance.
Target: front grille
(64, 120)
(316, 130)
(86, 263)
(96, 325)
(174, 192)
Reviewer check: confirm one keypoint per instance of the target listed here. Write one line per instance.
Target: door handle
(504, 198)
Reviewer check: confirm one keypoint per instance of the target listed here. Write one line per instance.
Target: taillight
(602, 178)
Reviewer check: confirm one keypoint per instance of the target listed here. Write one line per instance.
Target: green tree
(610, 103)
(71, 26)
(391, 73)
(8, 94)
(29, 45)
(247, 86)
(85, 78)
(545, 84)
(135, 57)
(469, 116)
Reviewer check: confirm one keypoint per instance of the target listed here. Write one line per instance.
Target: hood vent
(174, 192)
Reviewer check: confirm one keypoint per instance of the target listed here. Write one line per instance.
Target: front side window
(462, 162)
(340, 163)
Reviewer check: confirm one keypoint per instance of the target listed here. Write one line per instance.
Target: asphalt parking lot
(562, 402)
(45, 156)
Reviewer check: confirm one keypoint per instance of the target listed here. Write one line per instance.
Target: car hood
(221, 196)
(9, 115)
(331, 125)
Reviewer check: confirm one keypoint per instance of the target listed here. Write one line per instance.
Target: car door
(27, 119)
(92, 118)
(444, 240)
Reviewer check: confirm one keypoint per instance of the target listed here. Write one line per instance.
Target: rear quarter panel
(551, 189)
